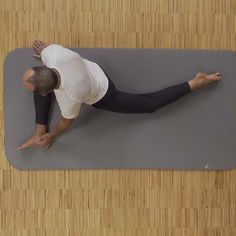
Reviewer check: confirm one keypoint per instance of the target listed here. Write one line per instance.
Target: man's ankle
(194, 84)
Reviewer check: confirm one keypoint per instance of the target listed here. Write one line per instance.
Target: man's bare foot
(202, 79)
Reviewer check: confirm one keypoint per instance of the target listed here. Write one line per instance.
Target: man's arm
(38, 46)
(47, 139)
(61, 126)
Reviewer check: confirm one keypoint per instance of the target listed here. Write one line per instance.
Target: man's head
(41, 80)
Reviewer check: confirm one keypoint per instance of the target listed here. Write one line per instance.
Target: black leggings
(124, 102)
(120, 101)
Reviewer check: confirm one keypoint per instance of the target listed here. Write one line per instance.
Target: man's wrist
(40, 129)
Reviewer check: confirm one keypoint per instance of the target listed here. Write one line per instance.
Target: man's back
(81, 80)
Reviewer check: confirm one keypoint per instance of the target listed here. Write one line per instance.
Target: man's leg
(124, 102)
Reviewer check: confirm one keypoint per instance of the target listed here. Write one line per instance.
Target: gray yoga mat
(198, 131)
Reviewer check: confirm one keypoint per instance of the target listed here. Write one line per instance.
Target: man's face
(28, 73)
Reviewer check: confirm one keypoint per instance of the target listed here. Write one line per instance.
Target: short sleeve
(71, 111)
(48, 54)
(69, 108)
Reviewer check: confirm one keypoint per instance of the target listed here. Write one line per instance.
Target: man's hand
(45, 140)
(38, 47)
(30, 142)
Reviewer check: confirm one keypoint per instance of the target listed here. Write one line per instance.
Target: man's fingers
(23, 146)
(35, 45)
(39, 44)
(36, 55)
(48, 146)
(34, 141)
(41, 142)
(19, 148)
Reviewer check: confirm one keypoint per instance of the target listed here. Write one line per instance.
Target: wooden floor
(116, 202)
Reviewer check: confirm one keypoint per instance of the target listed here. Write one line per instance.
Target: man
(75, 80)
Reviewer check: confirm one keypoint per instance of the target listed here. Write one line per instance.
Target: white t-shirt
(81, 79)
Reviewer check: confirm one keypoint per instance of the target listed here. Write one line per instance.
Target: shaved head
(41, 80)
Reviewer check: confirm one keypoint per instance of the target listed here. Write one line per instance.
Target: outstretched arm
(41, 138)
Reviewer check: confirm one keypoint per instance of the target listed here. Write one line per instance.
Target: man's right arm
(61, 126)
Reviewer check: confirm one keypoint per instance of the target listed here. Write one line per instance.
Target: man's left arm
(62, 125)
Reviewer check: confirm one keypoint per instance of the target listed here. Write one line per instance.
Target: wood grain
(116, 202)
